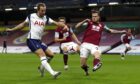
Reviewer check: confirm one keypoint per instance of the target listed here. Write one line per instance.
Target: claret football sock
(96, 61)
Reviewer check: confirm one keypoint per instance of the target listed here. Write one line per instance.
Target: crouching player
(66, 44)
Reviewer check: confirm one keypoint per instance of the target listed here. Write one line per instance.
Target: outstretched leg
(96, 62)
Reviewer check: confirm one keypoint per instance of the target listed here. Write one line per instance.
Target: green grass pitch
(22, 69)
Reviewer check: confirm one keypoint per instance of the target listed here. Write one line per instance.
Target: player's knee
(97, 54)
(77, 48)
(51, 54)
(65, 49)
(40, 52)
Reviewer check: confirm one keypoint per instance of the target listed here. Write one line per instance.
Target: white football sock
(42, 67)
(46, 65)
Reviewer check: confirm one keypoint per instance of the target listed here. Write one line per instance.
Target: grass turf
(22, 69)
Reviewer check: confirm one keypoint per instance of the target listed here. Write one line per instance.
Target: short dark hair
(62, 18)
(95, 11)
(40, 5)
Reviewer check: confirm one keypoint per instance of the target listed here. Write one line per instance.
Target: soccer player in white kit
(37, 23)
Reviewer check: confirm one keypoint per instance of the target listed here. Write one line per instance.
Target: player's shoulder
(33, 14)
(102, 23)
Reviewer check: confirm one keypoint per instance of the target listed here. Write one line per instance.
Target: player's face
(129, 31)
(42, 11)
(95, 17)
(62, 21)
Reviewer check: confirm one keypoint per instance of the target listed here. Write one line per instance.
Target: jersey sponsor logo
(66, 34)
(39, 23)
(95, 28)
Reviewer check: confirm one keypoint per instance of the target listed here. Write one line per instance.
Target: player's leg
(83, 59)
(84, 65)
(65, 57)
(78, 48)
(49, 54)
(35, 47)
(45, 64)
(97, 57)
(2, 50)
(68, 48)
(128, 48)
(6, 50)
(97, 60)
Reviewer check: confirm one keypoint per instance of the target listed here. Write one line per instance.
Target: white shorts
(71, 47)
(88, 48)
(127, 45)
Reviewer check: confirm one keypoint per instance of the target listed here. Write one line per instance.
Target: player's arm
(84, 22)
(64, 26)
(74, 36)
(113, 30)
(76, 39)
(57, 39)
(18, 27)
(59, 24)
(122, 37)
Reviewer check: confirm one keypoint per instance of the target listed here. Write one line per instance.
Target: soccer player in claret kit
(91, 39)
(37, 22)
(125, 39)
(65, 38)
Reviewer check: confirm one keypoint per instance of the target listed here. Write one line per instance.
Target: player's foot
(87, 73)
(122, 56)
(41, 71)
(85, 68)
(66, 67)
(97, 66)
(56, 74)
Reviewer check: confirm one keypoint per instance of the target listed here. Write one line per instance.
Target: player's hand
(64, 38)
(65, 27)
(8, 29)
(87, 20)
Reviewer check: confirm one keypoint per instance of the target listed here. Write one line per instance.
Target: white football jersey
(37, 25)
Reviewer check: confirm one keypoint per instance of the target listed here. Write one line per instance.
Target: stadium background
(117, 14)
